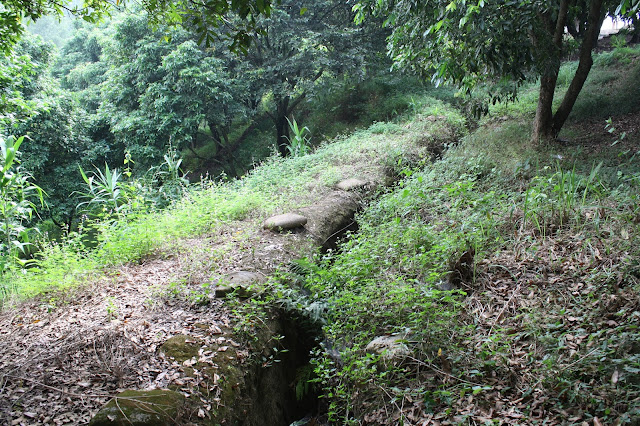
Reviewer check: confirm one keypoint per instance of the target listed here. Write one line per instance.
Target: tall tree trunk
(282, 125)
(594, 23)
(284, 108)
(543, 124)
(635, 37)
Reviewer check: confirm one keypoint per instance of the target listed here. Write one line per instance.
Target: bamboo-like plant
(104, 189)
(17, 207)
(299, 143)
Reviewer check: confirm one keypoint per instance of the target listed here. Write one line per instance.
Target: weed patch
(537, 327)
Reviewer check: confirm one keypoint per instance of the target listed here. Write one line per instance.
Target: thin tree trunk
(584, 66)
(543, 124)
(284, 108)
(282, 126)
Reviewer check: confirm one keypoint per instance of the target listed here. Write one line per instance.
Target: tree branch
(584, 66)
(561, 23)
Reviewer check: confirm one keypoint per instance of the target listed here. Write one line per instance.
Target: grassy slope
(544, 330)
(275, 186)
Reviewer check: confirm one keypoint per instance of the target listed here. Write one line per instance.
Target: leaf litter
(549, 336)
(61, 361)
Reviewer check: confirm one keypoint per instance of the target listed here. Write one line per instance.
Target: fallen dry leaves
(539, 314)
(60, 364)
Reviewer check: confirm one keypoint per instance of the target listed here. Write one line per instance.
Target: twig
(567, 366)
(390, 400)
(122, 412)
(510, 298)
(578, 360)
(428, 364)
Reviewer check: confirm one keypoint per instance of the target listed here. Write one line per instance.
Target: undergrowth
(509, 332)
(276, 185)
(542, 324)
(503, 276)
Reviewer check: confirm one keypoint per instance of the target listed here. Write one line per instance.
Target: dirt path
(60, 364)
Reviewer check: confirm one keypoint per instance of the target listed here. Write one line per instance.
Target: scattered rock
(285, 222)
(351, 184)
(181, 347)
(392, 349)
(157, 407)
(238, 282)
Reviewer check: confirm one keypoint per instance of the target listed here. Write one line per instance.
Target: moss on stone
(157, 407)
(181, 347)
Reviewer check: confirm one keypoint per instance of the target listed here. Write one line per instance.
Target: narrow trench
(302, 336)
(337, 238)
(335, 224)
(300, 402)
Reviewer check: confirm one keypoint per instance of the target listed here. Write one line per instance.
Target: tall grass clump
(563, 198)
(19, 202)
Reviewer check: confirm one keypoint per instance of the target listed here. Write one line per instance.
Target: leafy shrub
(16, 207)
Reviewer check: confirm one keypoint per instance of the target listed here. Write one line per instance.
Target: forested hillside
(122, 90)
(331, 213)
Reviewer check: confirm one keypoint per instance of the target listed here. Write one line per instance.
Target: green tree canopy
(203, 17)
(509, 41)
(52, 122)
(162, 91)
(298, 47)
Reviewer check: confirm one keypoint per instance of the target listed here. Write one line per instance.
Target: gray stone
(392, 349)
(159, 407)
(238, 282)
(445, 285)
(244, 278)
(285, 222)
(351, 184)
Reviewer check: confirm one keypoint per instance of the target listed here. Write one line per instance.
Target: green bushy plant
(299, 142)
(169, 179)
(106, 192)
(618, 41)
(18, 198)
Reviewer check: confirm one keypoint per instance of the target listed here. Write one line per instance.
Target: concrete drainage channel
(261, 391)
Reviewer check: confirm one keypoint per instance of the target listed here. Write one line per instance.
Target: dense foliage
(131, 87)
(202, 18)
(503, 43)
